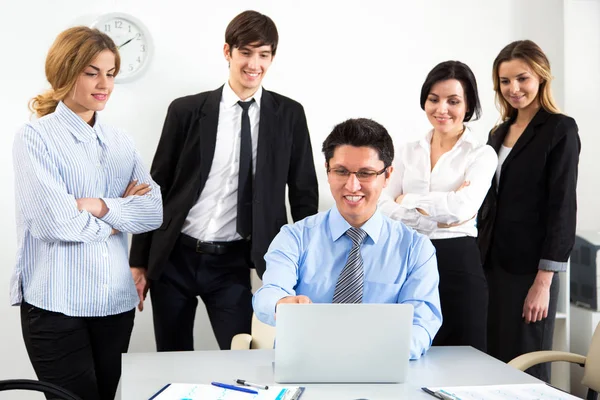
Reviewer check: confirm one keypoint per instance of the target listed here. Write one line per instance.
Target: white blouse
(434, 191)
(502, 154)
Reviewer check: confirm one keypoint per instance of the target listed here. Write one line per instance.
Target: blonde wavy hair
(72, 51)
(533, 55)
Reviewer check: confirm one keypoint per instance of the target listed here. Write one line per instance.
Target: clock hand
(119, 47)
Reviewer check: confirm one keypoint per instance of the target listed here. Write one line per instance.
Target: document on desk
(533, 391)
(187, 391)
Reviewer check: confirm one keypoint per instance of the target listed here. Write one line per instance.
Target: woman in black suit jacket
(527, 220)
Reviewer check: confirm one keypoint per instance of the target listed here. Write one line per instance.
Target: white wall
(582, 85)
(339, 58)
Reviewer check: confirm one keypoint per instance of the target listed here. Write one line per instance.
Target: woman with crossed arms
(80, 187)
(437, 188)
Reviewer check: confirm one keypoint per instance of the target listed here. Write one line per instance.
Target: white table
(145, 373)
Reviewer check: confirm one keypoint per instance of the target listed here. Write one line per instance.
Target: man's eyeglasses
(362, 176)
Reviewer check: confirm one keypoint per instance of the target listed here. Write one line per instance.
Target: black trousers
(508, 334)
(463, 293)
(80, 354)
(223, 284)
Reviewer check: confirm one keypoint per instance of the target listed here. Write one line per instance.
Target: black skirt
(463, 293)
(508, 334)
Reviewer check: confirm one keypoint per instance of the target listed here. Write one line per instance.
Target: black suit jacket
(184, 157)
(531, 215)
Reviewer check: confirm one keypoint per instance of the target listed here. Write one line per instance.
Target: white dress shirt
(434, 191)
(214, 216)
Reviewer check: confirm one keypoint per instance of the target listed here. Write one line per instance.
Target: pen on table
(440, 394)
(246, 383)
(233, 387)
(298, 393)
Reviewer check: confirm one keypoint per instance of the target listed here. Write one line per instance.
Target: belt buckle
(198, 250)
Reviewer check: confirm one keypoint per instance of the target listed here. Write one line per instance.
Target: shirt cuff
(113, 216)
(420, 343)
(264, 304)
(106, 230)
(549, 265)
(410, 201)
(426, 226)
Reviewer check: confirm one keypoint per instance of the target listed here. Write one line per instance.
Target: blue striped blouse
(67, 260)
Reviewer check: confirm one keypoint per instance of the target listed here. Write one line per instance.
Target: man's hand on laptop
(293, 300)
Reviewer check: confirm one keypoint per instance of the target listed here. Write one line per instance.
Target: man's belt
(215, 248)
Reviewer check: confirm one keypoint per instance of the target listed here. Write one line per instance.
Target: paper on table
(533, 391)
(187, 391)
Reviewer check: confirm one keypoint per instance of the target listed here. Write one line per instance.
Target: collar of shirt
(466, 137)
(77, 126)
(230, 99)
(338, 225)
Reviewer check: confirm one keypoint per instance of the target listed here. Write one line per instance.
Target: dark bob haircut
(462, 73)
(360, 132)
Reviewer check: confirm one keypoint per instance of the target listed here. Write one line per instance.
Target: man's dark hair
(360, 132)
(462, 73)
(251, 28)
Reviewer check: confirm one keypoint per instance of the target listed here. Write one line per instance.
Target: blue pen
(233, 387)
(281, 394)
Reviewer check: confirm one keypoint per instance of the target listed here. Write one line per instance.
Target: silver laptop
(331, 343)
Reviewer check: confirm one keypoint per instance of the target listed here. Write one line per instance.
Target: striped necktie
(349, 287)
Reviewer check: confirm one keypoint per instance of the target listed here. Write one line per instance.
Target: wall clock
(133, 40)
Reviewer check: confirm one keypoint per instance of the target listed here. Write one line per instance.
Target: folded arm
(388, 205)
(460, 205)
(136, 214)
(410, 217)
(49, 211)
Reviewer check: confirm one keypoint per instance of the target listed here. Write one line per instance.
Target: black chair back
(37, 386)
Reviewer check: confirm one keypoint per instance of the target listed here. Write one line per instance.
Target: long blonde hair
(533, 55)
(72, 51)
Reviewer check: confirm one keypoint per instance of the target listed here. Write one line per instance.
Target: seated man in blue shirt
(352, 253)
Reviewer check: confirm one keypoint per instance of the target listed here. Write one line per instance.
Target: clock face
(133, 41)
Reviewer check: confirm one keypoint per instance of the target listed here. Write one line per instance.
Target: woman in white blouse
(437, 187)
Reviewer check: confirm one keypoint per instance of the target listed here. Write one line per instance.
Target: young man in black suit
(223, 162)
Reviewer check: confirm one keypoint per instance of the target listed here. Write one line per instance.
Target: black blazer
(531, 215)
(184, 157)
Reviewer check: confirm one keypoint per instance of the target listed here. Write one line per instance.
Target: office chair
(262, 337)
(37, 386)
(590, 363)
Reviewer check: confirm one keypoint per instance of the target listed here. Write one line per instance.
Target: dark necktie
(244, 200)
(349, 287)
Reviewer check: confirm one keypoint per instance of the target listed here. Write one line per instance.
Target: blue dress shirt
(400, 266)
(67, 260)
